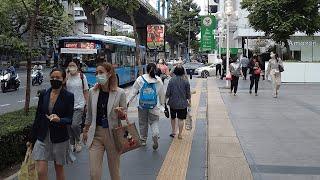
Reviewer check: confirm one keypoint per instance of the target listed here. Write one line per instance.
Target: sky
(201, 3)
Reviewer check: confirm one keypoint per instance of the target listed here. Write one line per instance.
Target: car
(192, 66)
(206, 71)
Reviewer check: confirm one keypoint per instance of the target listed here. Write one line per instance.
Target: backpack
(148, 95)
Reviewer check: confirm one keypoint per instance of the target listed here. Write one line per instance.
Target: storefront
(305, 48)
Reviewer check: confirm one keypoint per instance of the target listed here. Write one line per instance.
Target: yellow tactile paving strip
(175, 165)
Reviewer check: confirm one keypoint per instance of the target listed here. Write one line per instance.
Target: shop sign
(302, 43)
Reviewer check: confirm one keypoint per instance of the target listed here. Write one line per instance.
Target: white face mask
(102, 79)
(72, 70)
(272, 55)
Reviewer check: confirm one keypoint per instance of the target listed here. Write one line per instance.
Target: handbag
(28, 167)
(281, 69)
(257, 71)
(228, 76)
(126, 138)
(166, 111)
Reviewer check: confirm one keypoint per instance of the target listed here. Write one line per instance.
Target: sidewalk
(174, 160)
(241, 137)
(280, 137)
(226, 159)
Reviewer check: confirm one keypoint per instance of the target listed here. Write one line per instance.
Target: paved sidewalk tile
(280, 137)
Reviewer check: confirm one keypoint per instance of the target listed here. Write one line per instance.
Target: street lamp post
(228, 12)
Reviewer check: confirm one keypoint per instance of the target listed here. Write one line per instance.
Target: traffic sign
(208, 25)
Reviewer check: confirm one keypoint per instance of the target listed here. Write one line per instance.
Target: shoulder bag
(126, 138)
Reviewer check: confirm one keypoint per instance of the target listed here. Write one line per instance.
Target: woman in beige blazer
(106, 101)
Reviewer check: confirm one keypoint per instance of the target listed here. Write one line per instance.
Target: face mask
(102, 79)
(72, 70)
(55, 84)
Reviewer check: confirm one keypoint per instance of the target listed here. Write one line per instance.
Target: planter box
(300, 72)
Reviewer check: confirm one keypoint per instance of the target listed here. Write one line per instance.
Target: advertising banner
(155, 37)
(208, 25)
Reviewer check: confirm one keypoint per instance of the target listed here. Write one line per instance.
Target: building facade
(303, 48)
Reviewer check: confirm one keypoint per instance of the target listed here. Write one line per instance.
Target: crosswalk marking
(175, 165)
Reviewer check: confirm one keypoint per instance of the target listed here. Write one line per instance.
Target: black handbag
(281, 69)
(166, 111)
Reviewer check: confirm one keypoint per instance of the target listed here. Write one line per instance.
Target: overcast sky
(201, 3)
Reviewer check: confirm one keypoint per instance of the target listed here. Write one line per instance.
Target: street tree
(96, 12)
(181, 13)
(280, 19)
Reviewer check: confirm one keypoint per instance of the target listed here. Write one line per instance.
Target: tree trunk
(30, 45)
(137, 40)
(90, 17)
(288, 51)
(95, 19)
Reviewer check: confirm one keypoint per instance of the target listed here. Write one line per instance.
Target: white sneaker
(78, 147)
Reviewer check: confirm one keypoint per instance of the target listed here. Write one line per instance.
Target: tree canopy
(181, 13)
(15, 18)
(281, 18)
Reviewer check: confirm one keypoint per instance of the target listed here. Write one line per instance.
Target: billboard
(155, 37)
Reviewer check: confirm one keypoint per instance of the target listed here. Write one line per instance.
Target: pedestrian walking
(151, 100)
(235, 71)
(255, 71)
(106, 101)
(244, 62)
(218, 66)
(78, 85)
(275, 67)
(224, 67)
(179, 98)
(162, 70)
(54, 113)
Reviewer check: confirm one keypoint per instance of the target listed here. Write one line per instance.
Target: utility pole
(189, 43)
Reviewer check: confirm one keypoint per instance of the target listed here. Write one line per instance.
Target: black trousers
(234, 83)
(244, 71)
(218, 69)
(223, 73)
(254, 80)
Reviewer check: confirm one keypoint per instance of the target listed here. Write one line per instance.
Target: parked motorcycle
(9, 81)
(37, 77)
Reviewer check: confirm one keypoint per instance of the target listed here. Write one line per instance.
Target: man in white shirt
(218, 66)
(78, 85)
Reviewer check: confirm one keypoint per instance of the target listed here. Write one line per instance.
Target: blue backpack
(148, 95)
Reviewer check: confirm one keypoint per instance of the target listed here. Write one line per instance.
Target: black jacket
(63, 108)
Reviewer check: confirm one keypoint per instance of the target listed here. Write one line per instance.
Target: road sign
(208, 25)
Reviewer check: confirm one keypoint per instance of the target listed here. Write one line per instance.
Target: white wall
(295, 72)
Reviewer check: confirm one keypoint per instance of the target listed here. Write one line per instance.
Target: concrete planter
(300, 72)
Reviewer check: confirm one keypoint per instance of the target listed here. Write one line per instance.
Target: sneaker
(256, 94)
(155, 143)
(143, 142)
(172, 135)
(235, 94)
(250, 92)
(78, 147)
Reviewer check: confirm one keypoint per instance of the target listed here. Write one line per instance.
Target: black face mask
(55, 84)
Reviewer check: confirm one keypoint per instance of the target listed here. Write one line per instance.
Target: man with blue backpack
(151, 98)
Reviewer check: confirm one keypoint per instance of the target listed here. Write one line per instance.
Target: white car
(206, 71)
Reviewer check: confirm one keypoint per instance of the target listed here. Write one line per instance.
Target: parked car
(192, 66)
(206, 71)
